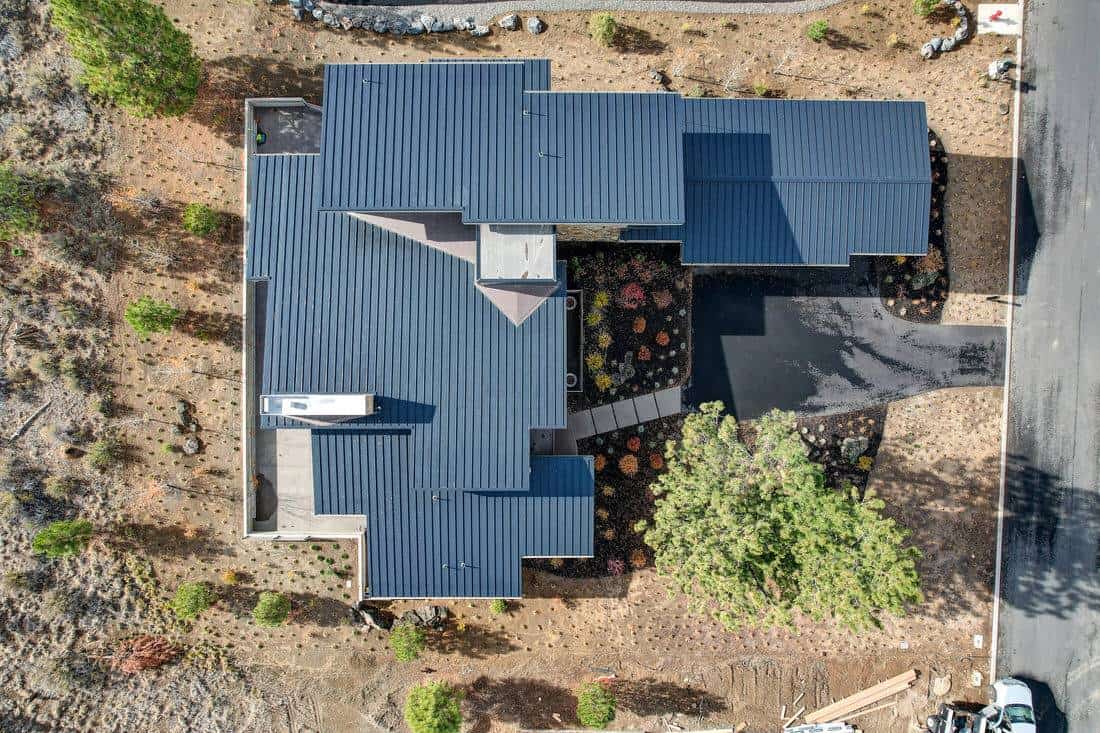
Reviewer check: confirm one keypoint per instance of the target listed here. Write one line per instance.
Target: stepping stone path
(626, 413)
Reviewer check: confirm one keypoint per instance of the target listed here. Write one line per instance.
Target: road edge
(994, 645)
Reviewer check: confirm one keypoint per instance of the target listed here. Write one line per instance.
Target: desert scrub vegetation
(434, 707)
(147, 315)
(140, 653)
(602, 28)
(498, 606)
(272, 609)
(132, 54)
(924, 8)
(407, 641)
(595, 706)
(63, 538)
(817, 30)
(190, 600)
(751, 536)
(18, 207)
(105, 453)
(200, 219)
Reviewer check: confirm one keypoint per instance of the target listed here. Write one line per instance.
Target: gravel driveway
(818, 340)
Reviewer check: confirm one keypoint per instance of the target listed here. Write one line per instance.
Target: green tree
(272, 609)
(751, 536)
(595, 705)
(18, 209)
(433, 708)
(147, 315)
(200, 219)
(924, 8)
(132, 54)
(817, 30)
(407, 641)
(62, 539)
(602, 27)
(191, 599)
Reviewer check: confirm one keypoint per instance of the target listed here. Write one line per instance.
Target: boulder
(347, 23)
(317, 13)
(433, 616)
(415, 28)
(479, 31)
(373, 617)
(428, 21)
(535, 25)
(299, 14)
(509, 22)
(381, 26)
(191, 445)
(410, 618)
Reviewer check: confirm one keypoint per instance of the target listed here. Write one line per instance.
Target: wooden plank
(863, 698)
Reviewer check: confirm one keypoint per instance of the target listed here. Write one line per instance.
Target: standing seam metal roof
(353, 308)
(801, 182)
(475, 138)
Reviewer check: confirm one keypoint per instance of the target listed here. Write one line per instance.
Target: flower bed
(627, 461)
(915, 288)
(636, 321)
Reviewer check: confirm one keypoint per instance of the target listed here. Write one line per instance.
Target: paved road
(818, 340)
(1050, 607)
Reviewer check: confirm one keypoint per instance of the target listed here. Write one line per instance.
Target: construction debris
(851, 704)
(822, 728)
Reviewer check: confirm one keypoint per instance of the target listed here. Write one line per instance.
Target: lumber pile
(851, 704)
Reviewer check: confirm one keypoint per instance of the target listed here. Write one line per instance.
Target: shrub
(931, 262)
(760, 88)
(817, 30)
(433, 708)
(147, 315)
(601, 299)
(599, 462)
(594, 361)
(594, 317)
(632, 296)
(603, 382)
(639, 325)
(143, 652)
(644, 354)
(63, 538)
(924, 8)
(628, 464)
(695, 91)
(190, 600)
(634, 443)
(200, 219)
(230, 577)
(105, 453)
(132, 54)
(407, 641)
(18, 211)
(272, 609)
(60, 487)
(595, 706)
(602, 27)
(661, 338)
(603, 339)
(498, 606)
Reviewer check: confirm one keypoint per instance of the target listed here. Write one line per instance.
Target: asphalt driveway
(818, 340)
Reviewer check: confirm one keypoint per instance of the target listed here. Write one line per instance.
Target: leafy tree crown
(272, 609)
(595, 706)
(63, 538)
(147, 315)
(407, 641)
(191, 599)
(751, 536)
(433, 708)
(132, 54)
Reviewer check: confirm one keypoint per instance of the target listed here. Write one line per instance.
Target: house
(406, 315)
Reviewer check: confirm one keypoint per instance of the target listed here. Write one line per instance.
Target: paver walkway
(626, 413)
(819, 340)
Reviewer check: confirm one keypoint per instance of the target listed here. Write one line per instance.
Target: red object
(996, 15)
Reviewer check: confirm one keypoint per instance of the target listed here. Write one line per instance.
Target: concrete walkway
(626, 413)
(819, 340)
(482, 12)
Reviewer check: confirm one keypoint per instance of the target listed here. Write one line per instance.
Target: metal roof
(352, 308)
(440, 544)
(479, 138)
(801, 182)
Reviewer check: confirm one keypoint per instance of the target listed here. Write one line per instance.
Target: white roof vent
(314, 408)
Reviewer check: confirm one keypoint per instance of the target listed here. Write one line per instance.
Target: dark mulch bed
(636, 320)
(915, 288)
(826, 435)
(622, 498)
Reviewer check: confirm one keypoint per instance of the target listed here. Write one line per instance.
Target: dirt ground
(168, 517)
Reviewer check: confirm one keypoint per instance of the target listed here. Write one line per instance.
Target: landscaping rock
(853, 448)
(923, 279)
(415, 28)
(192, 445)
(535, 25)
(381, 26)
(428, 21)
(433, 616)
(373, 617)
(479, 31)
(509, 22)
(317, 13)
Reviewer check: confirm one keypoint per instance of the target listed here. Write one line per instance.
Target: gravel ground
(483, 12)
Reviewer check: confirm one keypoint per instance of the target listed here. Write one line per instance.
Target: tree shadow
(470, 640)
(843, 42)
(161, 244)
(173, 540)
(541, 584)
(637, 40)
(305, 608)
(207, 326)
(656, 697)
(527, 703)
